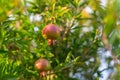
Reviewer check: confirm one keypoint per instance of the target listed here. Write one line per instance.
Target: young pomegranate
(42, 65)
(51, 31)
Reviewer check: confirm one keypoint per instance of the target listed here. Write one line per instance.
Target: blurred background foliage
(87, 28)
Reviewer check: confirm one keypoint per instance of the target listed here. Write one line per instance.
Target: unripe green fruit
(42, 65)
(51, 32)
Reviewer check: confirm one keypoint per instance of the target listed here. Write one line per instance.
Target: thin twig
(108, 47)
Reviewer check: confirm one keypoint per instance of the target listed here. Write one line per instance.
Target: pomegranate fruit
(51, 31)
(42, 65)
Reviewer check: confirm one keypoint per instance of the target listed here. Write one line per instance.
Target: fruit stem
(43, 74)
(51, 42)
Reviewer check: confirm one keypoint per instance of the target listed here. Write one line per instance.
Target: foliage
(76, 51)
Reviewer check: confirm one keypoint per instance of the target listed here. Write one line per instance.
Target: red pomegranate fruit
(42, 65)
(51, 31)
